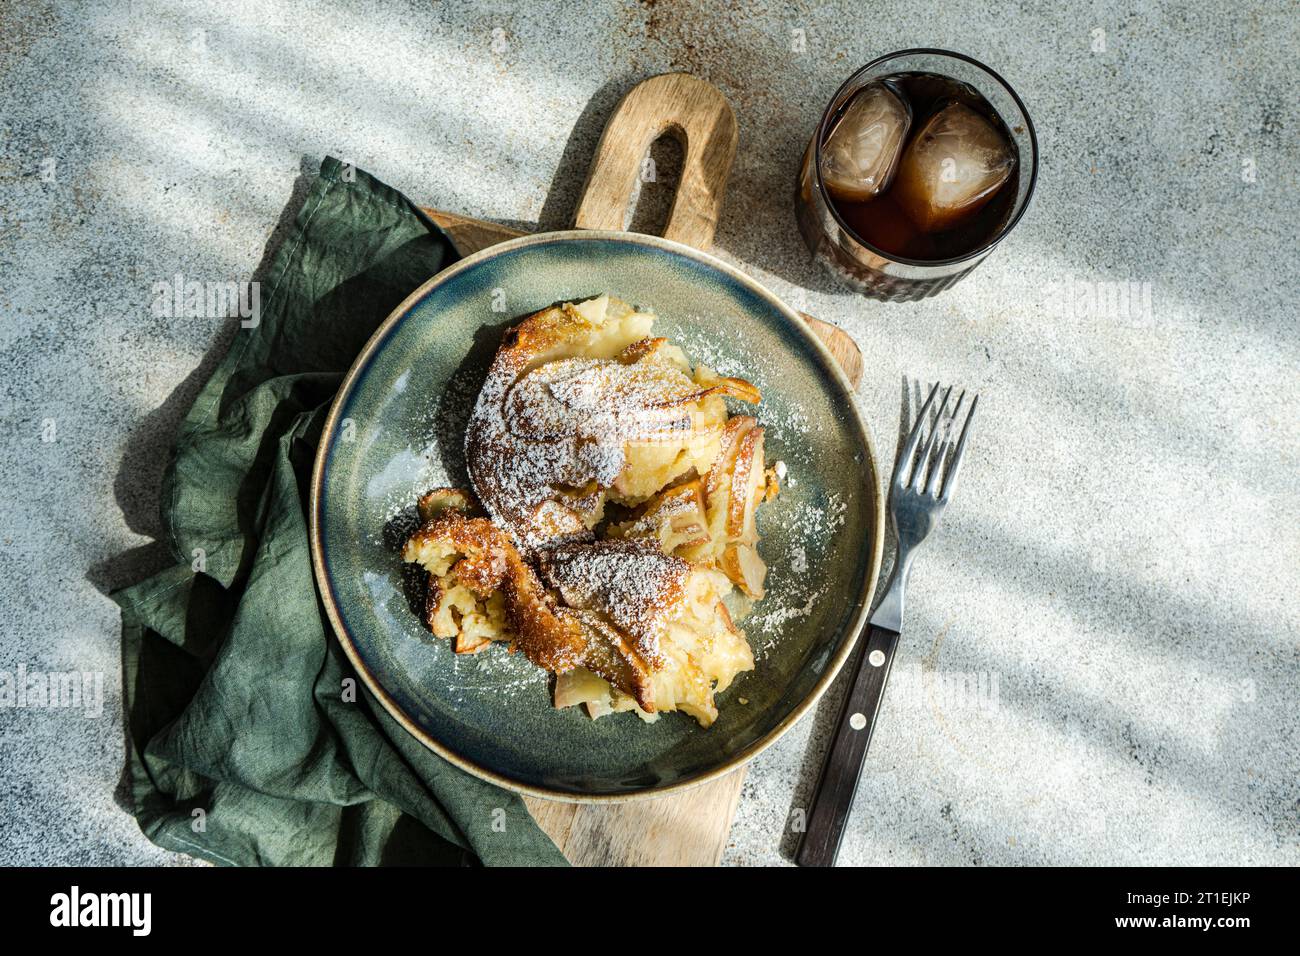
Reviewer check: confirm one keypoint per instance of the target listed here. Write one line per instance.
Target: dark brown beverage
(921, 164)
(900, 219)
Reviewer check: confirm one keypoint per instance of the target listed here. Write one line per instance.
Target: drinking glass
(865, 267)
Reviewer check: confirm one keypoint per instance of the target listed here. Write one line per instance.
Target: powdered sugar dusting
(631, 581)
(507, 676)
(547, 437)
(794, 593)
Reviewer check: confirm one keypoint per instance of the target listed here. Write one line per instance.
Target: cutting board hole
(655, 187)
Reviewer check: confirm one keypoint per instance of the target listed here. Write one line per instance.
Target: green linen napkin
(242, 749)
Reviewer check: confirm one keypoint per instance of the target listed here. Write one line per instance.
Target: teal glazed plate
(397, 429)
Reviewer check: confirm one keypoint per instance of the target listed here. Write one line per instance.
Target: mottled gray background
(1122, 560)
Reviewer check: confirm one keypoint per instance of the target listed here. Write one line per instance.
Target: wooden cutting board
(689, 828)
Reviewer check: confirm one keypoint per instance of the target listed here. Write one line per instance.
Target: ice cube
(861, 154)
(954, 165)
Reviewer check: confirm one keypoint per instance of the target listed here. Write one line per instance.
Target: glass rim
(904, 260)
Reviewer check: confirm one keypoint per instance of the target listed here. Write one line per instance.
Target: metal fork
(918, 494)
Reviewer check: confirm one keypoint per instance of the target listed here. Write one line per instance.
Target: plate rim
(326, 592)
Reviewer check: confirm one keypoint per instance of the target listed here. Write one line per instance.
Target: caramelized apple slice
(717, 490)
(435, 502)
(655, 350)
(718, 480)
(580, 686)
(735, 387)
(676, 517)
(466, 644)
(748, 486)
(742, 564)
(736, 484)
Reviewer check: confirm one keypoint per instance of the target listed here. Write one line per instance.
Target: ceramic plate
(397, 428)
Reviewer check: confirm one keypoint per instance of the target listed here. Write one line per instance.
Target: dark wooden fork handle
(833, 798)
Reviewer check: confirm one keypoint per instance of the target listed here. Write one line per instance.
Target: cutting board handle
(699, 117)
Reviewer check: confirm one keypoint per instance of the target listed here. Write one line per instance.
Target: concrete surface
(1117, 577)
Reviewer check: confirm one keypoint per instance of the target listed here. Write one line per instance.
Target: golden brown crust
(552, 637)
(572, 391)
(631, 583)
(490, 447)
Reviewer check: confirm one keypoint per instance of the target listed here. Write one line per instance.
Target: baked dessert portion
(581, 407)
(471, 612)
(674, 613)
(613, 508)
(623, 625)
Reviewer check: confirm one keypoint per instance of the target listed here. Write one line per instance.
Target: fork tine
(951, 479)
(905, 456)
(936, 469)
(939, 468)
(926, 461)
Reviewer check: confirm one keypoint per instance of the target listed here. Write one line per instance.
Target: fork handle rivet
(858, 721)
(876, 658)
